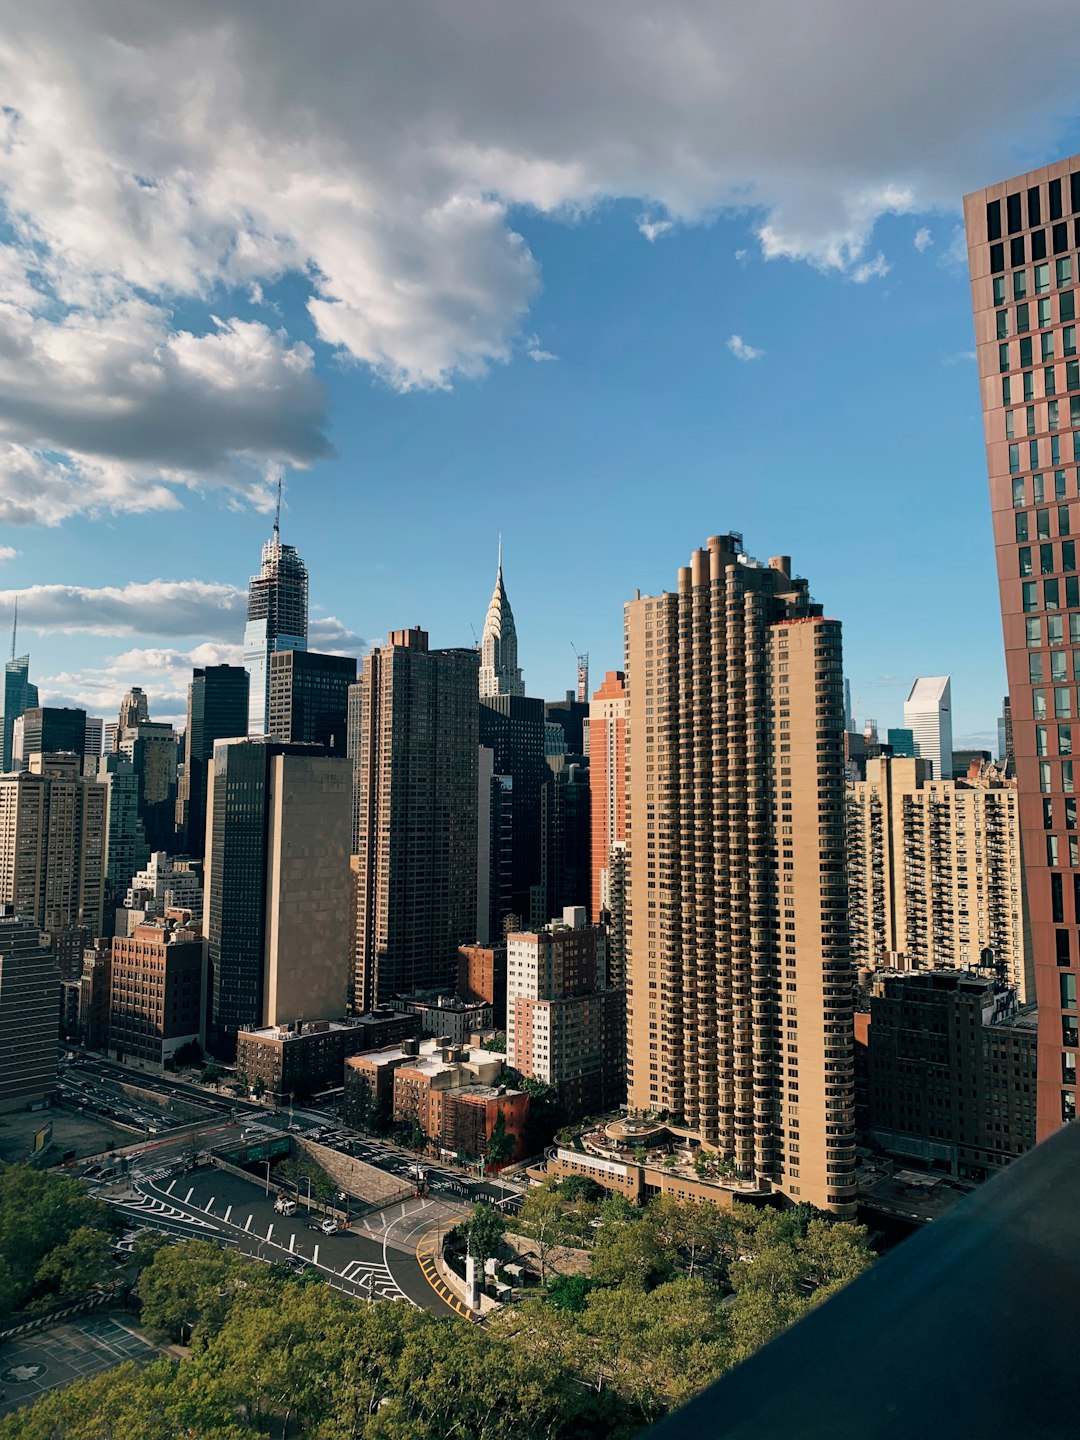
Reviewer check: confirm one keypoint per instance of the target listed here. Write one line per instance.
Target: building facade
(309, 698)
(276, 884)
(607, 777)
(934, 872)
(295, 1061)
(499, 672)
(1022, 252)
(29, 1013)
(565, 1026)
(928, 715)
(153, 750)
(277, 619)
(19, 696)
(155, 993)
(218, 697)
(739, 980)
(512, 727)
(951, 1071)
(416, 860)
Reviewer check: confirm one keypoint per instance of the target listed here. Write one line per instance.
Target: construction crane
(582, 673)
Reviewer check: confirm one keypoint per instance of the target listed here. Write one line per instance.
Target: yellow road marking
(427, 1248)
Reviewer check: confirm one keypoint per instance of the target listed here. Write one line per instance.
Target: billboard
(43, 1136)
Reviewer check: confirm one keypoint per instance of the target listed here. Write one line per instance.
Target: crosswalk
(373, 1279)
(150, 1207)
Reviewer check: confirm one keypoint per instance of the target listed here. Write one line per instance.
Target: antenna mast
(277, 512)
(15, 627)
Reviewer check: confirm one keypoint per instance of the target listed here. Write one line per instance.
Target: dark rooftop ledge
(967, 1329)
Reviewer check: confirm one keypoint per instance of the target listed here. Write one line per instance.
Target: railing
(967, 1329)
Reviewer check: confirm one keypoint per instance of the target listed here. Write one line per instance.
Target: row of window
(1042, 523)
(1038, 284)
(1026, 357)
(1028, 383)
(1042, 740)
(1047, 558)
(1043, 316)
(1052, 420)
(1013, 212)
(1041, 490)
(1051, 594)
(1033, 456)
(1033, 247)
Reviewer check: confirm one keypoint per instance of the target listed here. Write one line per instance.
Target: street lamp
(267, 1164)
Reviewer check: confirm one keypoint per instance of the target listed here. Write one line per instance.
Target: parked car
(329, 1227)
(284, 1206)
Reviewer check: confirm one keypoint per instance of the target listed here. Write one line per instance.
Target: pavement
(33, 1364)
(374, 1259)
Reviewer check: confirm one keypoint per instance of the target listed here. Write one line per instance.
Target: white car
(329, 1227)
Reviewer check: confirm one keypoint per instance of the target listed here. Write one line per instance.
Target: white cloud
(923, 239)
(871, 269)
(741, 350)
(164, 608)
(653, 229)
(960, 357)
(8, 552)
(741, 255)
(154, 154)
(163, 673)
(535, 350)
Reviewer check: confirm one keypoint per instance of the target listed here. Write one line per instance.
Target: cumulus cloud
(153, 155)
(871, 269)
(535, 350)
(163, 608)
(8, 552)
(923, 239)
(741, 350)
(163, 673)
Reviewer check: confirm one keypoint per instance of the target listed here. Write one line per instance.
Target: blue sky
(852, 441)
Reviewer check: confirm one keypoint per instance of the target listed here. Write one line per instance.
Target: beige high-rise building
(934, 873)
(414, 722)
(52, 847)
(739, 976)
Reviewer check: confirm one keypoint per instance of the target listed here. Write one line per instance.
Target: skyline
(551, 342)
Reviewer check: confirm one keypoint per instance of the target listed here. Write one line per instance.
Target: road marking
(269, 1229)
(187, 1197)
(209, 1203)
(315, 1257)
(366, 1225)
(292, 1243)
(247, 1224)
(228, 1212)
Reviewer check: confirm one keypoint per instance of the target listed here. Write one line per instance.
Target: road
(374, 1260)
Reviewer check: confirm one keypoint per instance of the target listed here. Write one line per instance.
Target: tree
(500, 1145)
(190, 1053)
(569, 1292)
(258, 1089)
(580, 1187)
(483, 1231)
(38, 1214)
(496, 1044)
(543, 1220)
(211, 1074)
(630, 1255)
(80, 1262)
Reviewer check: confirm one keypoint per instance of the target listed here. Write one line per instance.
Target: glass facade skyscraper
(277, 620)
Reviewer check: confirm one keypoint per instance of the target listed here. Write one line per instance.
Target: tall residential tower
(738, 970)
(1023, 236)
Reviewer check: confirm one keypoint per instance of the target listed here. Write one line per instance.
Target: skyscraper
(416, 860)
(153, 749)
(29, 1013)
(126, 850)
(928, 715)
(1021, 253)
(277, 887)
(309, 697)
(53, 730)
(217, 710)
(19, 696)
(513, 727)
(95, 734)
(499, 673)
(277, 620)
(607, 776)
(134, 710)
(739, 980)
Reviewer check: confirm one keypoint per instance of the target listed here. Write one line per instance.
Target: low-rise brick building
(310, 1055)
(155, 992)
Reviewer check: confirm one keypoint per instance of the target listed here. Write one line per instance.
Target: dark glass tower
(217, 710)
(53, 730)
(19, 696)
(309, 697)
(277, 620)
(513, 727)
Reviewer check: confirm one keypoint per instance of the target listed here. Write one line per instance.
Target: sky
(603, 280)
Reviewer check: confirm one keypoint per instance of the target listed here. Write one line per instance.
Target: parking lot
(30, 1366)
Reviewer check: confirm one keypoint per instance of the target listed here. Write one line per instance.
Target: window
(1068, 555)
(1067, 305)
(1029, 420)
(1055, 199)
(1041, 740)
(997, 258)
(1012, 214)
(1034, 217)
(1046, 560)
(1063, 512)
(1060, 237)
(1010, 424)
(1026, 355)
(1006, 391)
(1044, 314)
(1044, 776)
(1042, 521)
(1051, 414)
(1038, 245)
(1051, 595)
(1048, 814)
(1064, 271)
(1024, 556)
(1062, 702)
(1068, 1106)
(1038, 704)
(1057, 666)
(1055, 631)
(1016, 251)
(1067, 776)
(1072, 592)
(1057, 902)
(1070, 814)
(1023, 320)
(1061, 938)
(993, 220)
(1033, 454)
(1030, 596)
(1072, 374)
(1046, 345)
(1055, 449)
(1018, 492)
(1035, 669)
(1070, 1033)
(1014, 459)
(1029, 385)
(1068, 340)
(1042, 279)
(1064, 739)
(1051, 850)
(1003, 323)
(1022, 531)
(1003, 357)
(1068, 991)
(1074, 629)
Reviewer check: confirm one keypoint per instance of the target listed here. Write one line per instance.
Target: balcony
(972, 1326)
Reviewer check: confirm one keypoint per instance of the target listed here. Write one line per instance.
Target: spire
(499, 673)
(277, 512)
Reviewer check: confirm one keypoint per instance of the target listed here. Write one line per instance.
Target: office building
(417, 846)
(95, 994)
(165, 883)
(309, 697)
(1022, 255)
(963, 760)
(739, 989)
(19, 696)
(134, 710)
(153, 750)
(572, 717)
(565, 837)
(277, 619)
(951, 1071)
(607, 778)
(934, 872)
(928, 715)
(217, 710)
(499, 672)
(512, 727)
(95, 737)
(52, 730)
(564, 1025)
(276, 886)
(29, 1013)
(294, 1062)
(901, 742)
(495, 848)
(126, 850)
(155, 993)
(52, 852)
